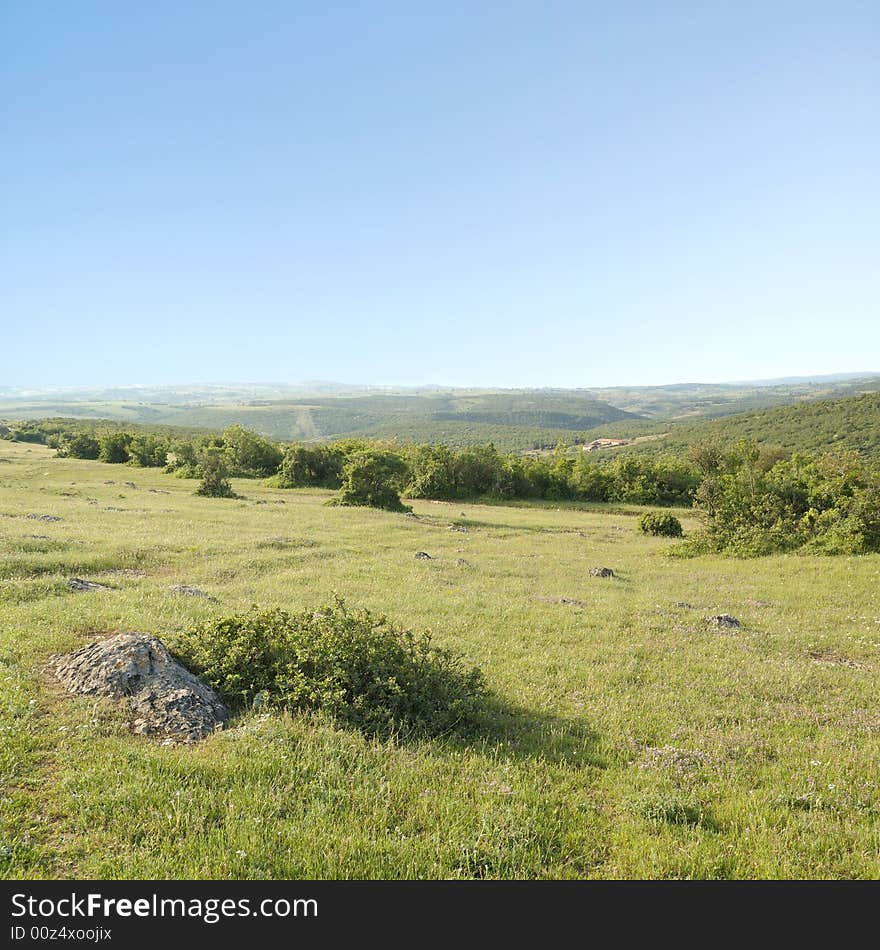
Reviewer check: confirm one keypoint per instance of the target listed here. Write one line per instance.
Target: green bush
(215, 481)
(754, 505)
(114, 447)
(661, 523)
(248, 454)
(359, 667)
(372, 479)
(81, 446)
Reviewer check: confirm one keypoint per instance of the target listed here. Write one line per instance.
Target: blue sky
(479, 193)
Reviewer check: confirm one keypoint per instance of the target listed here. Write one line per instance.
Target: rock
(77, 583)
(684, 604)
(601, 572)
(424, 556)
(188, 591)
(129, 484)
(461, 562)
(164, 698)
(723, 620)
(458, 527)
(35, 517)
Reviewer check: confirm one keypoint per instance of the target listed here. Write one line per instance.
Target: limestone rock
(601, 572)
(164, 698)
(77, 583)
(188, 591)
(723, 620)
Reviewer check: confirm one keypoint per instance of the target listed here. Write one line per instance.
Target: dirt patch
(831, 658)
(566, 601)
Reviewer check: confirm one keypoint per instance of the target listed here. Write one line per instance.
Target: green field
(628, 738)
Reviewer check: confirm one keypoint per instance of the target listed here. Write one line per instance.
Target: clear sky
(463, 193)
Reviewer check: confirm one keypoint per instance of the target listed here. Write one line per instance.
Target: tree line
(753, 500)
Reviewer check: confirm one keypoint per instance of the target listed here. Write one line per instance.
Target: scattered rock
(424, 556)
(601, 572)
(188, 591)
(684, 604)
(165, 699)
(111, 508)
(129, 484)
(77, 583)
(723, 620)
(38, 537)
(159, 491)
(458, 527)
(461, 562)
(109, 482)
(35, 517)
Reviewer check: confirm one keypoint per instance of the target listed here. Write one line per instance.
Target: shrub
(81, 446)
(661, 523)
(827, 504)
(372, 479)
(249, 454)
(114, 447)
(215, 481)
(359, 667)
(319, 465)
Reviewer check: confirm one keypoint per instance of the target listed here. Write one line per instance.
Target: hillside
(840, 424)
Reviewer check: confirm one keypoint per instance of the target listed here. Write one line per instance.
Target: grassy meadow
(627, 737)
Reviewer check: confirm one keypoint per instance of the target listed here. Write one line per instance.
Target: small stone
(601, 572)
(424, 556)
(188, 591)
(77, 583)
(723, 620)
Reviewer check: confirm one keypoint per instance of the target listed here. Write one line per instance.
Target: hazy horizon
(343, 386)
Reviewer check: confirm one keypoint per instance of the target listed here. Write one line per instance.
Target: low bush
(215, 482)
(359, 667)
(661, 523)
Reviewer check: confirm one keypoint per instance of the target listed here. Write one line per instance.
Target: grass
(627, 738)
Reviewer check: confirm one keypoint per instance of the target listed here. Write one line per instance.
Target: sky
(567, 194)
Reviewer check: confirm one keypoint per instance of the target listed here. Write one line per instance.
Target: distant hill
(851, 423)
(512, 419)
